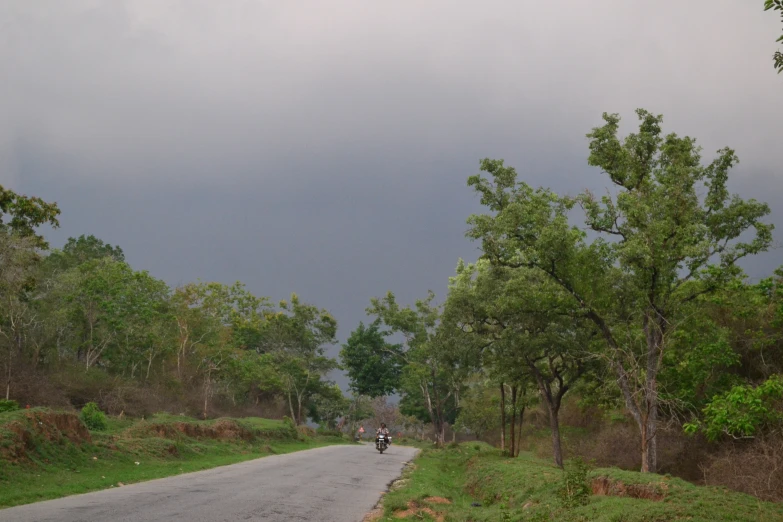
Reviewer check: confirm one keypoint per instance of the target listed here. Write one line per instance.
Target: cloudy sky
(323, 147)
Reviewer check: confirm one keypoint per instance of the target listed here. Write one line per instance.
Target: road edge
(377, 511)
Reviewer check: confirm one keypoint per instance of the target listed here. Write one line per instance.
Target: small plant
(8, 405)
(575, 489)
(93, 417)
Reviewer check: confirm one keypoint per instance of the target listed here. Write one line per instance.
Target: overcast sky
(323, 147)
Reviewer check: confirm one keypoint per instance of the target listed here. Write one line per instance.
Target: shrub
(575, 489)
(93, 417)
(7, 405)
(326, 432)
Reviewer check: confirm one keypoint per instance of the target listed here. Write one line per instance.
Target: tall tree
(373, 365)
(298, 335)
(430, 365)
(18, 257)
(668, 235)
(527, 334)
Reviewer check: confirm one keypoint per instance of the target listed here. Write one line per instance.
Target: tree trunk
(206, 396)
(502, 417)
(554, 423)
(519, 434)
(654, 327)
(8, 378)
(441, 435)
(513, 421)
(291, 407)
(648, 435)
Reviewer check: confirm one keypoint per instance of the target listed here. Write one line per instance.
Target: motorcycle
(381, 443)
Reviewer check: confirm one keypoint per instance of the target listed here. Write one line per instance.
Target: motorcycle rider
(384, 432)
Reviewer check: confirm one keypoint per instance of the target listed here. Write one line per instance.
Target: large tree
(18, 257)
(668, 233)
(298, 335)
(526, 335)
(431, 377)
(373, 364)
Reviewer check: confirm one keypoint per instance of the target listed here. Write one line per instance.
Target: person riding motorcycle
(383, 431)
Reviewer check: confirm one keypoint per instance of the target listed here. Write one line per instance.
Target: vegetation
(640, 316)
(777, 58)
(46, 454)
(82, 319)
(621, 329)
(475, 482)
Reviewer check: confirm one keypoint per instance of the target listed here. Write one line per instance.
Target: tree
(359, 409)
(661, 243)
(777, 58)
(23, 214)
(479, 410)
(430, 370)
(298, 335)
(373, 365)
(18, 257)
(81, 250)
(328, 404)
(527, 335)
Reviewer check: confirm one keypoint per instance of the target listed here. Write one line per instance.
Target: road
(329, 484)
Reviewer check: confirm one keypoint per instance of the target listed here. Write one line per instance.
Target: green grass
(527, 488)
(53, 469)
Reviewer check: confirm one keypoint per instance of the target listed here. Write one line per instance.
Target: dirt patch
(437, 500)
(373, 515)
(21, 436)
(220, 430)
(604, 486)
(414, 510)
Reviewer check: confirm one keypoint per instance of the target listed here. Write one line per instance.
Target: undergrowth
(45, 454)
(480, 484)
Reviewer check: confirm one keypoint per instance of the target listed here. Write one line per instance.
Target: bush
(93, 417)
(575, 489)
(326, 432)
(6, 405)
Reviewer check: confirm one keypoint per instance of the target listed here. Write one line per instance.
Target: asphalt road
(329, 484)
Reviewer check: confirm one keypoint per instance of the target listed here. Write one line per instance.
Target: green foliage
(743, 411)
(670, 233)
(93, 417)
(56, 469)
(327, 405)
(575, 488)
(23, 214)
(529, 488)
(432, 376)
(777, 58)
(479, 411)
(373, 365)
(8, 405)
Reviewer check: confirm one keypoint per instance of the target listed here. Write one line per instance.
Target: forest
(618, 327)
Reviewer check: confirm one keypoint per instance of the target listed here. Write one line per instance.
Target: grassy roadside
(46, 455)
(474, 482)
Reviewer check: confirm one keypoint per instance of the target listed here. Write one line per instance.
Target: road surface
(329, 484)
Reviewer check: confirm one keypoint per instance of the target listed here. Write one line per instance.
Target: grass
(129, 452)
(482, 485)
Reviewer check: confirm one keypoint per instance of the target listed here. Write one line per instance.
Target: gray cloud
(323, 147)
